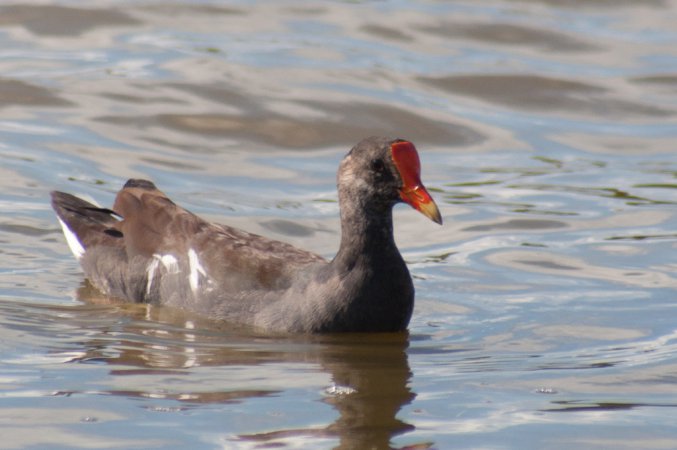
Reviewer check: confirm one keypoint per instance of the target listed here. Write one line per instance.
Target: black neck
(366, 234)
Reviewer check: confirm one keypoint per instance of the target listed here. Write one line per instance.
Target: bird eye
(377, 165)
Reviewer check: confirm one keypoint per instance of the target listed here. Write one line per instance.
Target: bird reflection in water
(369, 373)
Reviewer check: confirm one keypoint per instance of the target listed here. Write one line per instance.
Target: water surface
(546, 313)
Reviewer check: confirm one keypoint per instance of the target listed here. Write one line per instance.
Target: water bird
(148, 249)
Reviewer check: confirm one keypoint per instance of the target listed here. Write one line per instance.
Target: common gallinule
(148, 249)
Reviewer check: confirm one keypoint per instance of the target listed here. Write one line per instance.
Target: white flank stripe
(196, 270)
(150, 273)
(170, 262)
(72, 240)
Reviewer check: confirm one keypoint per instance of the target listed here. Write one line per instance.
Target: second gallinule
(148, 249)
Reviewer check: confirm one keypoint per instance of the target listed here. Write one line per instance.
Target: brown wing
(232, 258)
(152, 223)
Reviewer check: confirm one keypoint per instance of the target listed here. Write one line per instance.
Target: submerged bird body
(148, 249)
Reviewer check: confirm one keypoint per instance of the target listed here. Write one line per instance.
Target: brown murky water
(546, 313)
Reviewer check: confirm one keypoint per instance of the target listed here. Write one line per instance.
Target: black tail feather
(91, 224)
